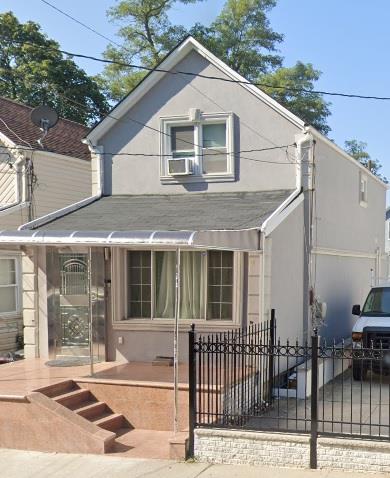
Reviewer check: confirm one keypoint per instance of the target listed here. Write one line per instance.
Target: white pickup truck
(372, 329)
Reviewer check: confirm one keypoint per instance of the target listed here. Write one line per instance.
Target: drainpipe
(305, 154)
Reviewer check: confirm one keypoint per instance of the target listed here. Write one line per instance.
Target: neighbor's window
(363, 189)
(8, 285)
(207, 144)
(206, 285)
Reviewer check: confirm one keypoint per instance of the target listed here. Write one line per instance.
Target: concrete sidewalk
(29, 464)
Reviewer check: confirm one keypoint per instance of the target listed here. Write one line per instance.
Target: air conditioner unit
(180, 166)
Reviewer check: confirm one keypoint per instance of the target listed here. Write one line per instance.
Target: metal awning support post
(90, 312)
(176, 346)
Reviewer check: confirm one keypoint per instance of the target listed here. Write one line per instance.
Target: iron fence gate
(246, 379)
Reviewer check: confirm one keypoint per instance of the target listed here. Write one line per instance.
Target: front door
(76, 302)
(73, 336)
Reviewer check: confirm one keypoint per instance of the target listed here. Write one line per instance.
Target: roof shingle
(64, 138)
(198, 211)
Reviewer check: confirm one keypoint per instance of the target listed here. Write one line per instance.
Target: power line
(82, 24)
(199, 75)
(68, 153)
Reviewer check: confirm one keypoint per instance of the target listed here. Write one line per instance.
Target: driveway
(345, 406)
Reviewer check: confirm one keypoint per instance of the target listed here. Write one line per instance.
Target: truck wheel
(359, 371)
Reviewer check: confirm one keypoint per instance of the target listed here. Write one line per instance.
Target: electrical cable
(83, 24)
(198, 75)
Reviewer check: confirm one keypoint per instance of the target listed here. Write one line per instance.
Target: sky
(346, 40)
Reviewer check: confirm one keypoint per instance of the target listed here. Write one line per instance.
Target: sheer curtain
(165, 285)
(192, 285)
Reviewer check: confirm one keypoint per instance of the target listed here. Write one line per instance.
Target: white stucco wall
(287, 275)
(256, 125)
(346, 237)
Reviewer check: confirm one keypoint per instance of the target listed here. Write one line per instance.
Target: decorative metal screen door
(73, 327)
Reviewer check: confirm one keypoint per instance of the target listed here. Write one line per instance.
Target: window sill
(164, 326)
(217, 178)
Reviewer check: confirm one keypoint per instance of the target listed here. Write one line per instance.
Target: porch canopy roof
(202, 220)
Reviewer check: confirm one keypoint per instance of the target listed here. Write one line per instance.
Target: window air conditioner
(180, 166)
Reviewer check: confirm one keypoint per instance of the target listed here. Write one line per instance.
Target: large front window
(206, 280)
(8, 286)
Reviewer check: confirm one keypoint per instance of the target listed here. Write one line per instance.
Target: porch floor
(141, 391)
(24, 376)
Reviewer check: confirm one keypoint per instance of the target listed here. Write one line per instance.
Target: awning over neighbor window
(232, 240)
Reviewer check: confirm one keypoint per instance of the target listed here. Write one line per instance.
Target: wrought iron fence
(244, 379)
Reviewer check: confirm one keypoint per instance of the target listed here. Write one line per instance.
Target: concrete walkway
(31, 464)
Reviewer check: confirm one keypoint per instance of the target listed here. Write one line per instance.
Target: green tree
(358, 150)
(297, 94)
(147, 36)
(242, 37)
(40, 75)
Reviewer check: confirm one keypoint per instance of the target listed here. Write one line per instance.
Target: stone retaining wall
(290, 450)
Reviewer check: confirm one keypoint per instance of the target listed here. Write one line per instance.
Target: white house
(211, 203)
(34, 181)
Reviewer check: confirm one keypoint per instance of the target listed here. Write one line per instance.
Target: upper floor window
(197, 147)
(363, 190)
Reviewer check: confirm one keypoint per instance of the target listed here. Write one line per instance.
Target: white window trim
(165, 148)
(18, 299)
(119, 318)
(363, 202)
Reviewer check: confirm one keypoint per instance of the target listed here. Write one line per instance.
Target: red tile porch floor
(21, 377)
(17, 379)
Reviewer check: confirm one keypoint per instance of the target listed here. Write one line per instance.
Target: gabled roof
(168, 63)
(64, 138)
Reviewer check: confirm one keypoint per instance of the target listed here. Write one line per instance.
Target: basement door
(76, 304)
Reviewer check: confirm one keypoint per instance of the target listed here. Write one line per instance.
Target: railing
(243, 379)
(229, 376)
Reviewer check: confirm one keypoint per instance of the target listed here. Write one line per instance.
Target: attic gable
(177, 55)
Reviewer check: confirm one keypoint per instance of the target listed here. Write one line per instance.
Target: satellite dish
(45, 118)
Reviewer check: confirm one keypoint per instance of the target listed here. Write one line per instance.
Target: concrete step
(57, 389)
(91, 410)
(74, 398)
(111, 422)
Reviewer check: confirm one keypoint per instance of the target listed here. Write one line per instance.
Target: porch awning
(232, 240)
(202, 220)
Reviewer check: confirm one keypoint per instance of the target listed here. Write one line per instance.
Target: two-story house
(212, 204)
(34, 181)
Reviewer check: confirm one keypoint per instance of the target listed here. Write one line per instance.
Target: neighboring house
(33, 182)
(387, 231)
(262, 208)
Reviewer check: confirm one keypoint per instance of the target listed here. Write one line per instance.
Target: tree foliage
(358, 150)
(40, 75)
(241, 36)
(147, 36)
(298, 95)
